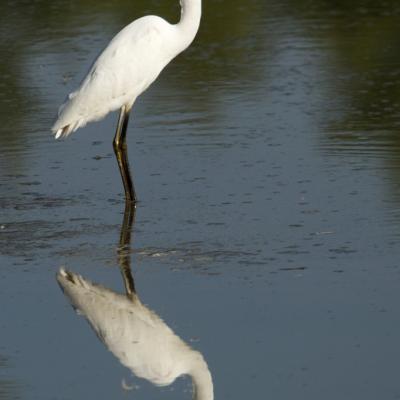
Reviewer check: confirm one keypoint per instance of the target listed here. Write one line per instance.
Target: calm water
(267, 164)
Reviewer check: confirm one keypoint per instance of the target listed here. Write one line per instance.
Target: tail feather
(69, 117)
(66, 130)
(81, 108)
(63, 128)
(63, 132)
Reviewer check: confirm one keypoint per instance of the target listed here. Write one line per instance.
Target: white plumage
(136, 335)
(127, 66)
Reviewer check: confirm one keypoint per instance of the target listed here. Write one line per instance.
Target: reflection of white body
(127, 66)
(136, 335)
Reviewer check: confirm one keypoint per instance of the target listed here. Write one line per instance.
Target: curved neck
(190, 20)
(201, 377)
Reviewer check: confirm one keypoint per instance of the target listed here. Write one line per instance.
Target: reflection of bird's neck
(201, 377)
(190, 20)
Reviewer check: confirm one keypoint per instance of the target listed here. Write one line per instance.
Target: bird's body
(127, 66)
(137, 336)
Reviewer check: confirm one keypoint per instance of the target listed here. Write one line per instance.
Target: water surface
(266, 161)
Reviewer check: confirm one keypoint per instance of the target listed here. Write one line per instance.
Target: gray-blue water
(266, 160)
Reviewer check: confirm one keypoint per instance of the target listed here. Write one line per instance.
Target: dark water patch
(186, 256)
(343, 250)
(35, 201)
(22, 239)
(364, 145)
(292, 269)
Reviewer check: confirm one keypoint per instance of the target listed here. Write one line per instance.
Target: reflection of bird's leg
(124, 248)
(120, 149)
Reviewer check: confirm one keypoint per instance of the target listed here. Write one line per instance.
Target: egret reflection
(136, 335)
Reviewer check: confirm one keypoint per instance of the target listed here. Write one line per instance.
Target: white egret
(137, 336)
(126, 67)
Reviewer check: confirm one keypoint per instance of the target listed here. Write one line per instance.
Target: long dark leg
(120, 149)
(124, 251)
